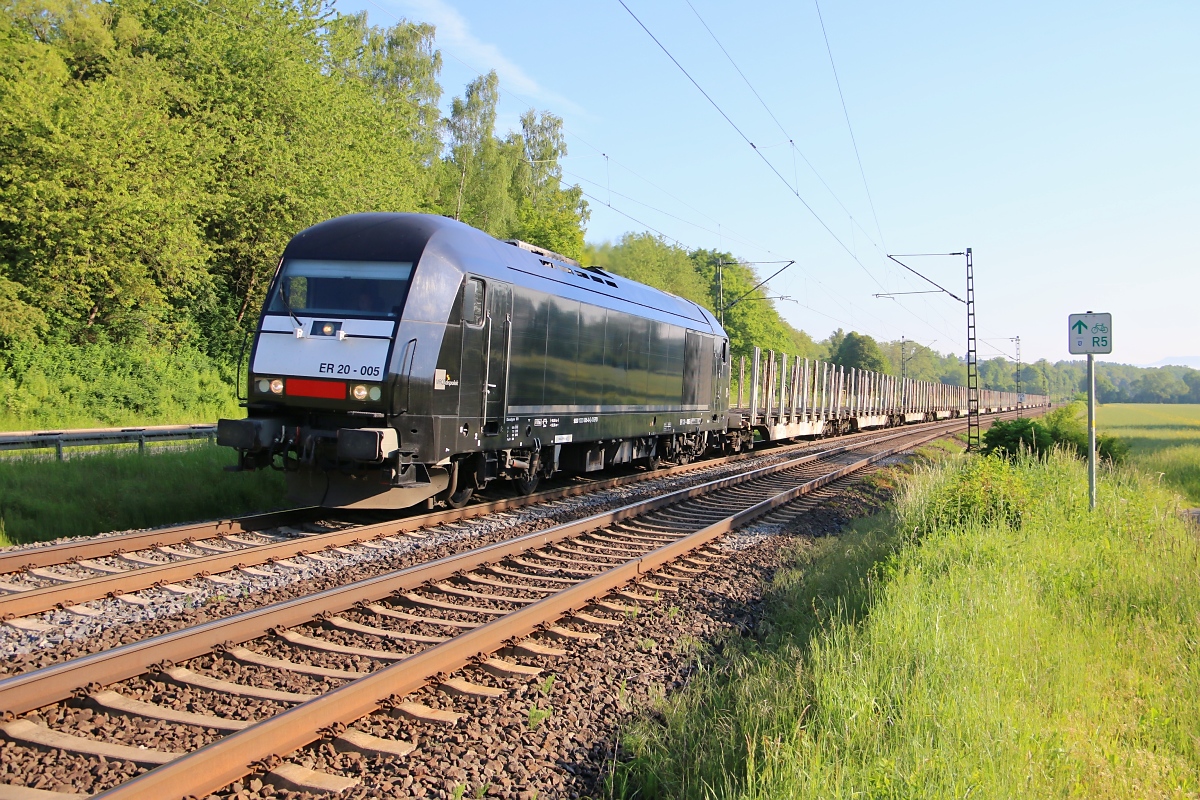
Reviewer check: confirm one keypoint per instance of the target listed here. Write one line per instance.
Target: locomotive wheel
(653, 462)
(527, 485)
(460, 498)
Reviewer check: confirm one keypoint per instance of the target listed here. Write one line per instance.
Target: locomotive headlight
(264, 385)
(375, 393)
(277, 386)
(359, 392)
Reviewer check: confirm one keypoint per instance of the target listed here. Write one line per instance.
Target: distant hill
(1177, 361)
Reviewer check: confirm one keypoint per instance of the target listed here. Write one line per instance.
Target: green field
(1164, 438)
(990, 638)
(41, 499)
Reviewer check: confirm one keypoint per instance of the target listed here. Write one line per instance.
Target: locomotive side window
(473, 302)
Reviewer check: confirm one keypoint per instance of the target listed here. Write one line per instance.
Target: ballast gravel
(553, 736)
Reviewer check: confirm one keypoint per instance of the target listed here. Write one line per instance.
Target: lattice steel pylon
(1020, 394)
(974, 436)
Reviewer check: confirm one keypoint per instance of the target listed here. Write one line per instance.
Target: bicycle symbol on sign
(1099, 327)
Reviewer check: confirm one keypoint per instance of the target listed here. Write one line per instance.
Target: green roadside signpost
(1090, 334)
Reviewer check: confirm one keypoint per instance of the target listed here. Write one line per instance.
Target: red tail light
(326, 390)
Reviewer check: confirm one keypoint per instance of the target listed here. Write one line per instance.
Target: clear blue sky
(1058, 140)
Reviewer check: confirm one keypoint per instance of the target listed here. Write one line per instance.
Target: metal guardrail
(58, 440)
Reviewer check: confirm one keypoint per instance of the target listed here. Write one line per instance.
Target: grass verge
(41, 500)
(988, 638)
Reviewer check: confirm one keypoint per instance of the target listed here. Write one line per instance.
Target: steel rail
(41, 687)
(101, 546)
(82, 590)
(236, 755)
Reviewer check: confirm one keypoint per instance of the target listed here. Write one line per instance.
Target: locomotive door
(721, 374)
(498, 332)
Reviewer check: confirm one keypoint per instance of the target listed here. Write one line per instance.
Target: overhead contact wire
(849, 127)
(754, 147)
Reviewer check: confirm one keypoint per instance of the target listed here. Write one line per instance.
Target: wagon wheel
(527, 484)
(460, 498)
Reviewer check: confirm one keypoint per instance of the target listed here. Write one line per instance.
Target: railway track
(70, 575)
(211, 709)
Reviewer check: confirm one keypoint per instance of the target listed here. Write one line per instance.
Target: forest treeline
(156, 156)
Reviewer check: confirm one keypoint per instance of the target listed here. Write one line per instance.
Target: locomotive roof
(386, 236)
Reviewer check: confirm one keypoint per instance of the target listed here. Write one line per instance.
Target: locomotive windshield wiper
(291, 313)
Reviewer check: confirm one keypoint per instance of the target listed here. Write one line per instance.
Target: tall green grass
(42, 500)
(990, 638)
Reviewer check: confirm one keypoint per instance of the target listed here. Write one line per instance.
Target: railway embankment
(986, 635)
(60, 634)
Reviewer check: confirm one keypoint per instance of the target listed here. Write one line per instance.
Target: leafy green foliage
(106, 384)
(1013, 437)
(1064, 426)
(859, 351)
(981, 491)
(1068, 425)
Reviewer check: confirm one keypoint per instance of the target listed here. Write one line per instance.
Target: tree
(1159, 386)
(1192, 378)
(860, 351)
(834, 342)
(547, 214)
(1107, 391)
(482, 167)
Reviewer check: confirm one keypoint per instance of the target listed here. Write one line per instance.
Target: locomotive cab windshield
(341, 288)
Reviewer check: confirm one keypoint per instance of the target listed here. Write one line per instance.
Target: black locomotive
(403, 358)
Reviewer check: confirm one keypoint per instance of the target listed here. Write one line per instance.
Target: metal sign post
(1091, 381)
(1091, 334)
